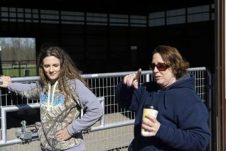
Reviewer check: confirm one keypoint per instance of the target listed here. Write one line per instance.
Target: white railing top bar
(97, 75)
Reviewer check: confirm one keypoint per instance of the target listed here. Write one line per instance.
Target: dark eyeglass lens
(160, 66)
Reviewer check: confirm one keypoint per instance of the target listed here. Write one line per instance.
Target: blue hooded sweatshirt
(182, 115)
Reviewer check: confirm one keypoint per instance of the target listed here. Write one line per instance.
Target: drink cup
(148, 111)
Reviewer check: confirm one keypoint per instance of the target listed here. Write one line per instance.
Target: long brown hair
(68, 68)
(173, 58)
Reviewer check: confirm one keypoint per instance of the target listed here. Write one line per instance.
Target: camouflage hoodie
(57, 114)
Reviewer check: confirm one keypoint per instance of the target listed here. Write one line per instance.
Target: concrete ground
(114, 139)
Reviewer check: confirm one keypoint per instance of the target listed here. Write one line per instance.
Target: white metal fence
(115, 130)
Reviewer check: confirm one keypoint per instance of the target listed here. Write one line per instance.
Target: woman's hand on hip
(63, 135)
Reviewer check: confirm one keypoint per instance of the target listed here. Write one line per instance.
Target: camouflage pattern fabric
(56, 116)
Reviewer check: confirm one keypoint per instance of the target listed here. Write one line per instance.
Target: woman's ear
(174, 71)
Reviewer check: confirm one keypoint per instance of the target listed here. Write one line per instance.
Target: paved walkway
(114, 139)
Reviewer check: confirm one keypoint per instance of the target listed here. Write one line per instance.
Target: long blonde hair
(68, 68)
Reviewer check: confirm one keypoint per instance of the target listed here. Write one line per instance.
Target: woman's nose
(51, 69)
(155, 69)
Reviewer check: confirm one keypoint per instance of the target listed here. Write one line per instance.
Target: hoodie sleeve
(93, 112)
(29, 91)
(192, 132)
(123, 95)
(128, 97)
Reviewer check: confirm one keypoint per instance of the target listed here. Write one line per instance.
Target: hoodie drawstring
(50, 98)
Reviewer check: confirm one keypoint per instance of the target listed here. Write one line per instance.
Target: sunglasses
(160, 66)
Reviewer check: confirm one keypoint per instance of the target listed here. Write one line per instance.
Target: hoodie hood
(181, 86)
(186, 81)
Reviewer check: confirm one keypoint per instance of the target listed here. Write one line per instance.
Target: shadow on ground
(30, 116)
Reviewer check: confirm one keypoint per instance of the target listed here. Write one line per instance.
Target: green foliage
(19, 72)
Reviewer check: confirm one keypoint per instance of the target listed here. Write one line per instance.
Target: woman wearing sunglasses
(182, 120)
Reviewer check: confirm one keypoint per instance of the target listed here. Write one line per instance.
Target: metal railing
(115, 130)
(12, 108)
